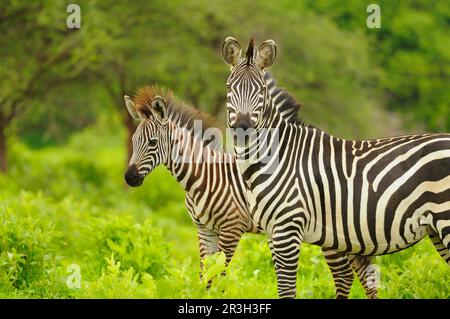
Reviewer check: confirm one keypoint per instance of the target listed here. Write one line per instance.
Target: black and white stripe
(362, 198)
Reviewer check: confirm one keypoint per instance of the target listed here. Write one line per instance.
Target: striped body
(215, 200)
(362, 198)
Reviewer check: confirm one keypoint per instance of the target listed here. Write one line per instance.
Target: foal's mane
(179, 112)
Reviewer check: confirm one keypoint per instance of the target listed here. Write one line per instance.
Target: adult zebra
(215, 190)
(366, 198)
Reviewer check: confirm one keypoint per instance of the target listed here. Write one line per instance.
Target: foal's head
(150, 139)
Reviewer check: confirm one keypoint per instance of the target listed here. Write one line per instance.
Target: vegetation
(412, 48)
(64, 132)
(59, 208)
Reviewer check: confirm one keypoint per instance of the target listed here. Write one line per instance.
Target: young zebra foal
(215, 190)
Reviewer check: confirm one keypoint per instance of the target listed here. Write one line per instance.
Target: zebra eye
(152, 142)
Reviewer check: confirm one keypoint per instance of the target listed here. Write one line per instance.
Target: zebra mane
(286, 104)
(250, 52)
(179, 112)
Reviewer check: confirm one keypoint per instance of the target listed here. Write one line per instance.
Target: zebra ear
(267, 52)
(231, 51)
(131, 107)
(159, 109)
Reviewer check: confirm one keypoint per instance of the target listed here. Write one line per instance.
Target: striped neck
(189, 152)
(280, 109)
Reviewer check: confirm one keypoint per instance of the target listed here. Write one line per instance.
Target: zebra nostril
(132, 176)
(242, 121)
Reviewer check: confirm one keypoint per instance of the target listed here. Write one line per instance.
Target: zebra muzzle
(132, 176)
(242, 121)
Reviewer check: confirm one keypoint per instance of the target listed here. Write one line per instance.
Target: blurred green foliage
(411, 48)
(345, 74)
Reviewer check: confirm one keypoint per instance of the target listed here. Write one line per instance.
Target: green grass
(68, 205)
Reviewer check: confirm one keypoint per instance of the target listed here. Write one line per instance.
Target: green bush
(115, 283)
(137, 246)
(141, 243)
(28, 257)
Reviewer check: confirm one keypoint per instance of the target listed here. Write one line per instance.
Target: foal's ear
(231, 51)
(159, 109)
(131, 107)
(267, 52)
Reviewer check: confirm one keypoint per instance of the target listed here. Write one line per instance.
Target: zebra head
(149, 139)
(247, 94)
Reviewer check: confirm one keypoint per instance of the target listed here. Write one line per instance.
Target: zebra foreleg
(367, 274)
(341, 270)
(228, 242)
(285, 253)
(208, 242)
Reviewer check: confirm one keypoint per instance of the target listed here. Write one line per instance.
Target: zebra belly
(389, 229)
(354, 246)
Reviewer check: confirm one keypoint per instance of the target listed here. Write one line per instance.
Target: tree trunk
(3, 162)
